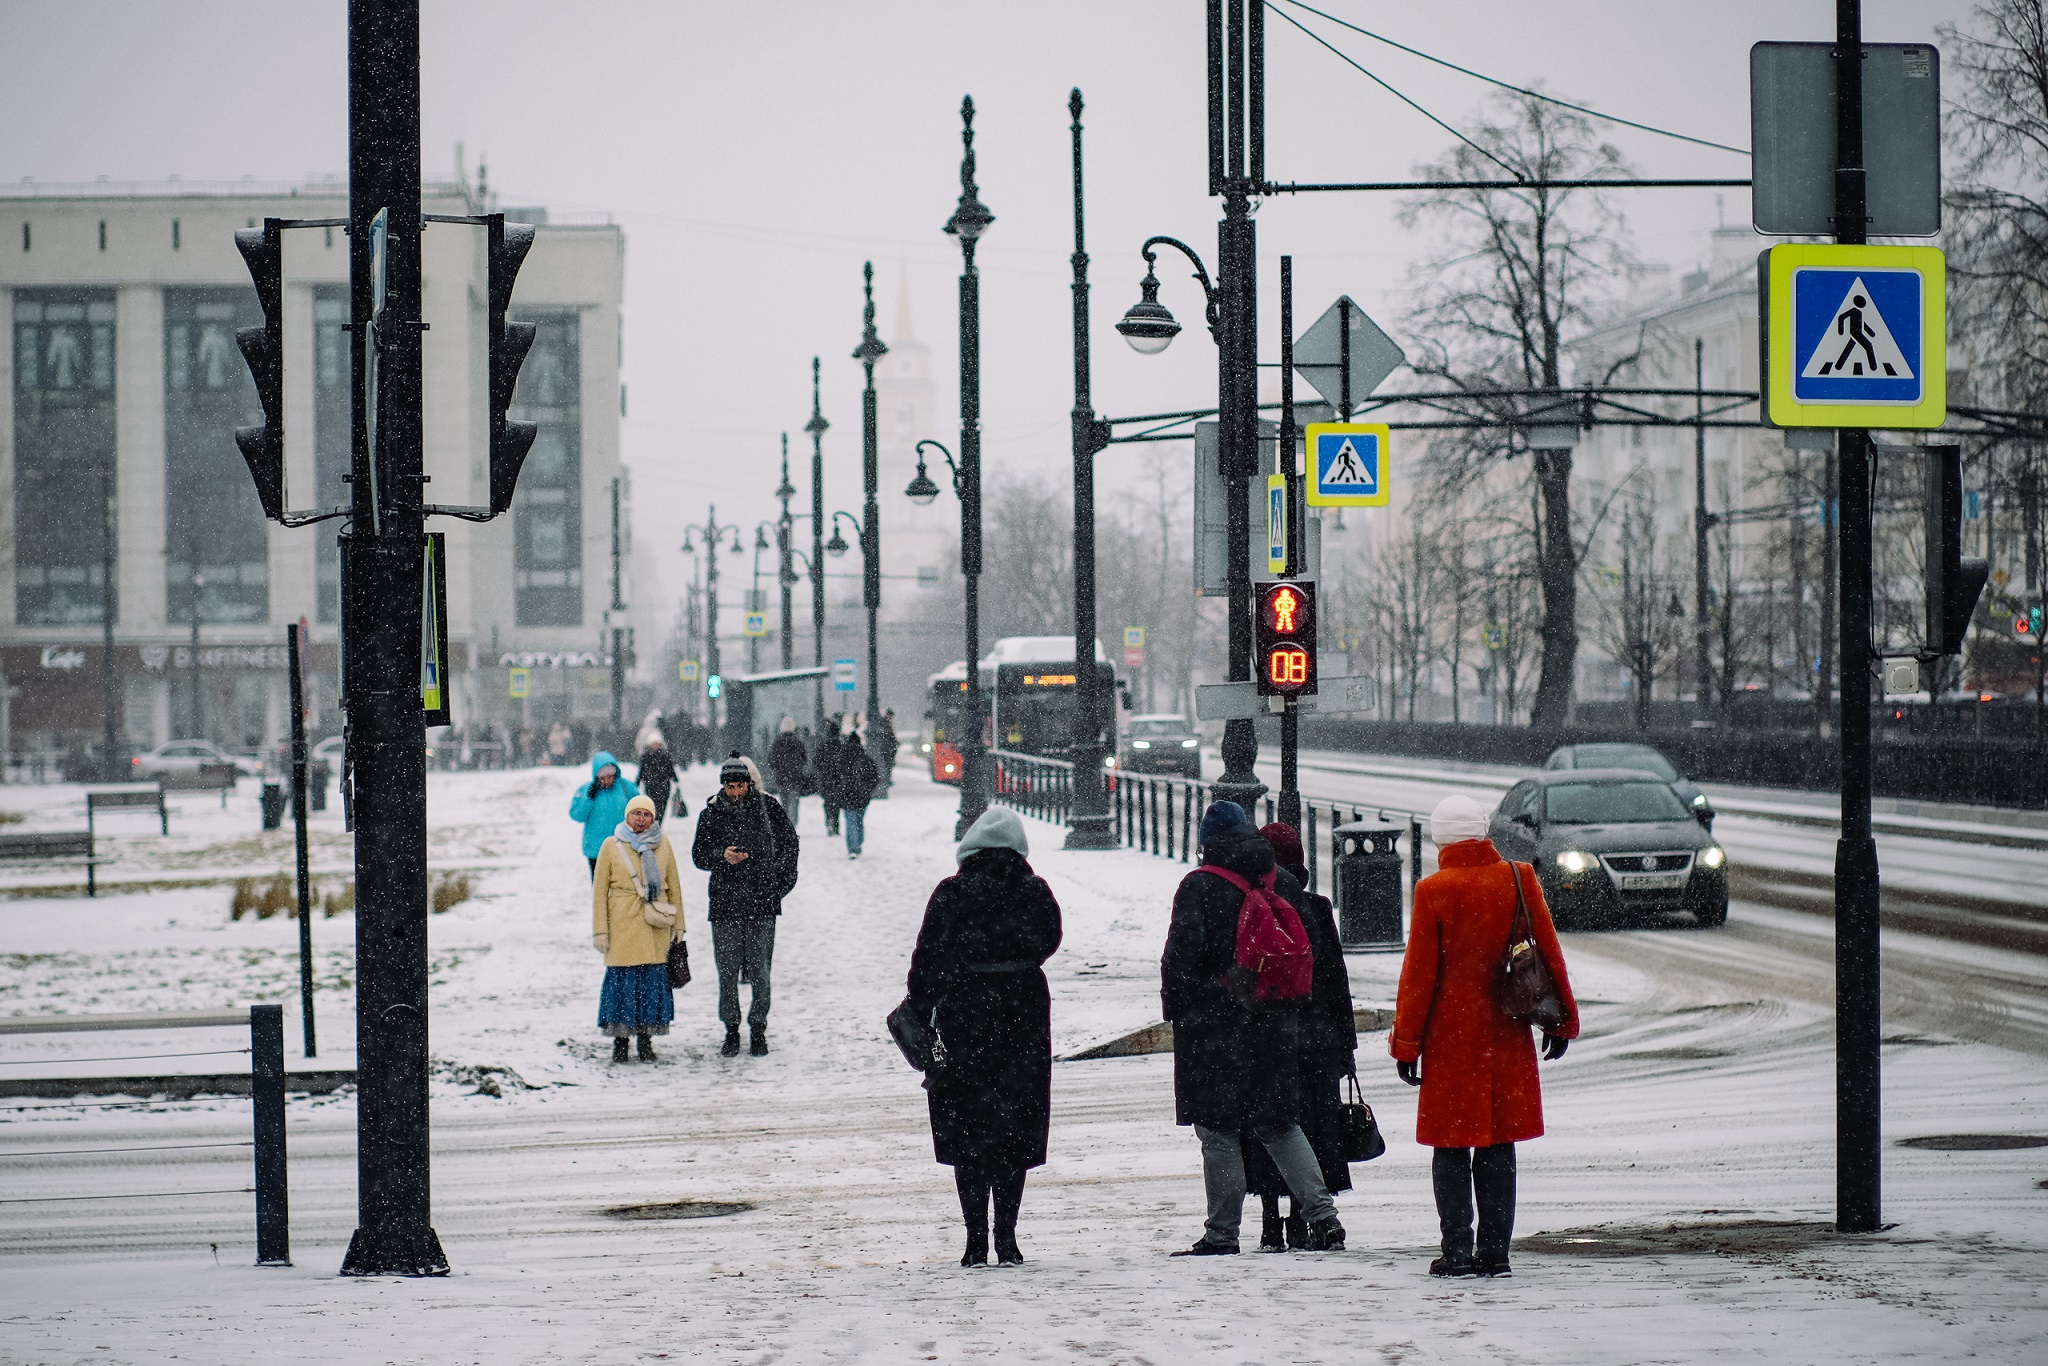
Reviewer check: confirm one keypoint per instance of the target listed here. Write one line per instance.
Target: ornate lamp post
(867, 353)
(712, 531)
(871, 575)
(785, 528)
(816, 427)
(923, 491)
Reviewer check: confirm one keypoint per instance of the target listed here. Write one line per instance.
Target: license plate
(1651, 882)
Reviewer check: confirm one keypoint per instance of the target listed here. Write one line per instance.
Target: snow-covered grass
(1678, 1210)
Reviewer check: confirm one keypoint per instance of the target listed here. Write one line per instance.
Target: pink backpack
(1271, 943)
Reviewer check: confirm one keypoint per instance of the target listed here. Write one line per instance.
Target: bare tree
(1636, 627)
(1521, 276)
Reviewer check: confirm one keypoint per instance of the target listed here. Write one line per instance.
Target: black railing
(1157, 815)
(1035, 785)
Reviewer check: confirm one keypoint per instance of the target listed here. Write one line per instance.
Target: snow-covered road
(1677, 1211)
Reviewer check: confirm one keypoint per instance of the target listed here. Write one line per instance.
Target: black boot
(1297, 1226)
(1008, 1193)
(974, 1193)
(759, 1046)
(1272, 1230)
(730, 1050)
(1326, 1235)
(646, 1048)
(619, 1046)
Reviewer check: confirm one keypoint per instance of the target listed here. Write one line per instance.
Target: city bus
(945, 705)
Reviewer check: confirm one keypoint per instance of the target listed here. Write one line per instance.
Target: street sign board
(756, 624)
(1242, 702)
(1212, 507)
(434, 684)
(1277, 537)
(1321, 353)
(1134, 637)
(1134, 659)
(686, 670)
(1347, 465)
(1792, 132)
(1496, 637)
(845, 675)
(518, 681)
(1854, 336)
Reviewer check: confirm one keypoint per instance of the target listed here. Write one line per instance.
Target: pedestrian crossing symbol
(1855, 336)
(1348, 464)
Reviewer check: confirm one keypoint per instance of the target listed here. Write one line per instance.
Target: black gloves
(1554, 1046)
(595, 788)
(1410, 1072)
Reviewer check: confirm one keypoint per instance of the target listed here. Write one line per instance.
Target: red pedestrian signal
(1286, 639)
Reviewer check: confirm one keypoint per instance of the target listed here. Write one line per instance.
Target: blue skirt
(636, 1000)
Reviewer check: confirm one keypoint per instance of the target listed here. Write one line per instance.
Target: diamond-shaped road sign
(1321, 354)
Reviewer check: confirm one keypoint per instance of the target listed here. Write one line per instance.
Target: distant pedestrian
(987, 932)
(558, 744)
(636, 912)
(1237, 1036)
(857, 779)
(825, 769)
(658, 773)
(602, 805)
(787, 762)
(1475, 1065)
(1329, 1039)
(749, 846)
(883, 745)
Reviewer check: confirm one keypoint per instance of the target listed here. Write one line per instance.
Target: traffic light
(505, 249)
(263, 348)
(1286, 639)
(1953, 583)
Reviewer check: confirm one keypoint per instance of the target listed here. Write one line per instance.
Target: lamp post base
(395, 1252)
(1092, 832)
(1239, 783)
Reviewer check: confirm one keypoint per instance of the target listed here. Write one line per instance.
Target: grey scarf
(645, 845)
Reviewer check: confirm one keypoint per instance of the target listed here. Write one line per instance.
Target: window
(64, 471)
(215, 539)
(547, 514)
(1613, 803)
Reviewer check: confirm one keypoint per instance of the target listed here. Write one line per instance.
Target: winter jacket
(858, 777)
(825, 766)
(657, 776)
(1479, 1084)
(601, 813)
(1234, 1066)
(618, 899)
(991, 1102)
(787, 762)
(1329, 1039)
(759, 828)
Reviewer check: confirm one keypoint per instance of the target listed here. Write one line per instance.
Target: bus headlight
(1141, 744)
(1713, 856)
(1189, 744)
(1572, 861)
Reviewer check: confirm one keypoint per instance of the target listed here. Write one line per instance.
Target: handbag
(678, 962)
(1528, 993)
(1358, 1132)
(916, 1037)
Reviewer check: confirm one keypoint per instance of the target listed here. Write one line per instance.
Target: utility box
(1367, 864)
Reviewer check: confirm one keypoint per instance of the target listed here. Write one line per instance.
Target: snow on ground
(1678, 1210)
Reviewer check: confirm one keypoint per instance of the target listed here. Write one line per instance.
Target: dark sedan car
(1611, 845)
(1162, 743)
(1642, 758)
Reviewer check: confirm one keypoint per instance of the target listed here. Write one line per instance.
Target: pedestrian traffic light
(1286, 639)
(1953, 583)
(263, 348)
(506, 246)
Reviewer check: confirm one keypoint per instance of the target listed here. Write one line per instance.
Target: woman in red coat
(1476, 1067)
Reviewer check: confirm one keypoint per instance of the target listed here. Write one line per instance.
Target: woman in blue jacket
(601, 806)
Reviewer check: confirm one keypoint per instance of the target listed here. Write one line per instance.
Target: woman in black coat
(987, 932)
(1329, 1039)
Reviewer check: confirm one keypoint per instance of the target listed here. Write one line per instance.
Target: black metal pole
(1089, 825)
(1858, 1156)
(198, 694)
(111, 765)
(816, 427)
(871, 350)
(294, 652)
(1702, 521)
(380, 637)
(785, 529)
(1297, 533)
(712, 661)
(970, 218)
(266, 1100)
(618, 628)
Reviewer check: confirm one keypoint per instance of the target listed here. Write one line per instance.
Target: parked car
(1163, 742)
(176, 759)
(1642, 758)
(1612, 844)
(328, 752)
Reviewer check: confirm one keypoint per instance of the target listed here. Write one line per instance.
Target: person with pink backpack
(1235, 976)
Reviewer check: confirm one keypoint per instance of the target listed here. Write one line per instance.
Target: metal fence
(1034, 785)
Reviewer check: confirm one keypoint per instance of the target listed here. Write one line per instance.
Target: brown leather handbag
(1528, 992)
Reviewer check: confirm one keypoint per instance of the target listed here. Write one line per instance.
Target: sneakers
(759, 1046)
(730, 1050)
(1454, 1266)
(1494, 1267)
(619, 1047)
(646, 1048)
(1326, 1235)
(1205, 1248)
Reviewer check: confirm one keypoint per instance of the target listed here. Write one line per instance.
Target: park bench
(209, 778)
(55, 846)
(122, 796)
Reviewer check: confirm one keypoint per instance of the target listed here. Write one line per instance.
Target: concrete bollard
(1368, 877)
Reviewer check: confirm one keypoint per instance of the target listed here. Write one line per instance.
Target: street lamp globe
(1148, 326)
(837, 545)
(922, 490)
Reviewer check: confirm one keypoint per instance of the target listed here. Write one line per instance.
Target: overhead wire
(1507, 85)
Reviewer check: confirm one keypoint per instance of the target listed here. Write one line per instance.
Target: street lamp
(867, 353)
(754, 597)
(785, 528)
(972, 751)
(970, 219)
(1229, 310)
(713, 533)
(816, 427)
(838, 546)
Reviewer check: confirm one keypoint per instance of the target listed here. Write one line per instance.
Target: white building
(125, 385)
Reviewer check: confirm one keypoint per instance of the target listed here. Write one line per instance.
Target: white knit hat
(1457, 818)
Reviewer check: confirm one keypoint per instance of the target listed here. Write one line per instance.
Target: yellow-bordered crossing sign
(1854, 336)
(1347, 465)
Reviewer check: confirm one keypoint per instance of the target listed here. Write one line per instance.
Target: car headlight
(1190, 744)
(1109, 761)
(1713, 856)
(1572, 861)
(1699, 799)
(1141, 744)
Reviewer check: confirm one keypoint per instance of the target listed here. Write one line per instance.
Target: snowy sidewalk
(1676, 1212)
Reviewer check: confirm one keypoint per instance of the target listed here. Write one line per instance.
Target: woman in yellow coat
(636, 912)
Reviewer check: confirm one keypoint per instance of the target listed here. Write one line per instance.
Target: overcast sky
(756, 153)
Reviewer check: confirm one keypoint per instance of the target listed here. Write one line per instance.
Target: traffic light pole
(1297, 531)
(381, 613)
(1858, 1157)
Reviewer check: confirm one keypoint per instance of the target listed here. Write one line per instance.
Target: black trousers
(977, 1186)
(1459, 1174)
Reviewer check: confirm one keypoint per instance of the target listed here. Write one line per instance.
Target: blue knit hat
(1221, 817)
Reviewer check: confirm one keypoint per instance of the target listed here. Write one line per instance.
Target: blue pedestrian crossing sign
(1348, 465)
(1855, 336)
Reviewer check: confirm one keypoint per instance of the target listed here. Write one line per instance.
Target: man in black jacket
(1235, 1061)
(749, 847)
(657, 774)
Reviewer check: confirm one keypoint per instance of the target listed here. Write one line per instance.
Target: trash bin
(273, 805)
(318, 775)
(1368, 868)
